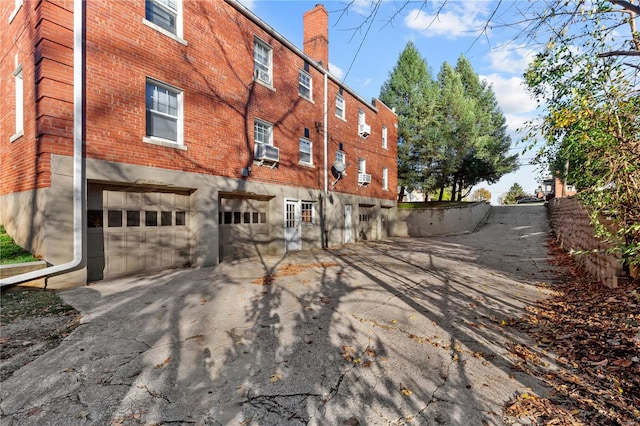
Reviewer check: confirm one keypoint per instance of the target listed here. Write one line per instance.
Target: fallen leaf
(622, 362)
(275, 377)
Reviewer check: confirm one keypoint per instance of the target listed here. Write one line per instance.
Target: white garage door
(135, 231)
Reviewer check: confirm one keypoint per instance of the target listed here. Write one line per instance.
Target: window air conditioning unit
(265, 152)
(263, 76)
(364, 130)
(364, 179)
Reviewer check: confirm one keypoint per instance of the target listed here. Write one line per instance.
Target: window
(94, 218)
(114, 218)
(341, 157)
(164, 112)
(262, 132)
(385, 178)
(361, 117)
(305, 151)
(19, 102)
(166, 218)
(340, 110)
(384, 137)
(150, 218)
(16, 8)
(262, 62)
(307, 213)
(362, 165)
(181, 218)
(305, 88)
(165, 14)
(133, 218)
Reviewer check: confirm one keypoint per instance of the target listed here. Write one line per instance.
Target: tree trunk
(453, 188)
(441, 192)
(401, 194)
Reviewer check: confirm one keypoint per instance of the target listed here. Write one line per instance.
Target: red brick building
(207, 136)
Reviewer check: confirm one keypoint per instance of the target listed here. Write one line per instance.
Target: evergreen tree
(410, 89)
(513, 194)
(457, 128)
(487, 158)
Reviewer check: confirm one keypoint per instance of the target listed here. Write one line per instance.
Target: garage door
(136, 231)
(244, 228)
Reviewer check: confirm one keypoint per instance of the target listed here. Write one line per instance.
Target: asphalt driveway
(399, 331)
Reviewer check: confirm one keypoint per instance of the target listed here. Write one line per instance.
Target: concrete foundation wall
(22, 215)
(46, 215)
(571, 224)
(438, 221)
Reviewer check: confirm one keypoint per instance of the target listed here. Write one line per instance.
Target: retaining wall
(429, 222)
(571, 224)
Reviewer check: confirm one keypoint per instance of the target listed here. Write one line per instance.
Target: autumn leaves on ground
(594, 334)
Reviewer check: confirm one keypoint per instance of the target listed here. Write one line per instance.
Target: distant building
(554, 187)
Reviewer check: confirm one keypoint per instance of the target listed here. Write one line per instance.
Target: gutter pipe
(79, 182)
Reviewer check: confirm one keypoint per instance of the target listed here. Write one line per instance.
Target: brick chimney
(316, 34)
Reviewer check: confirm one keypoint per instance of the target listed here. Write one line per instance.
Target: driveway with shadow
(400, 331)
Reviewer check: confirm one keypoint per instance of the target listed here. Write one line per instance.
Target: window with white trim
(308, 213)
(362, 165)
(305, 151)
(262, 132)
(341, 157)
(164, 112)
(385, 178)
(16, 8)
(262, 62)
(166, 14)
(384, 137)
(361, 117)
(19, 101)
(340, 106)
(305, 86)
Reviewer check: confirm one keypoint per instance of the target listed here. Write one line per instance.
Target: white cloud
(465, 20)
(511, 94)
(336, 71)
(511, 58)
(361, 7)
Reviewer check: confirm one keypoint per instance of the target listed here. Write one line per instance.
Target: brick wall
(40, 38)
(221, 100)
(570, 222)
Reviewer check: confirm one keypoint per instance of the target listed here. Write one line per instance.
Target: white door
(292, 225)
(347, 224)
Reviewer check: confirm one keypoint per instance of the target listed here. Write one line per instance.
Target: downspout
(79, 182)
(325, 131)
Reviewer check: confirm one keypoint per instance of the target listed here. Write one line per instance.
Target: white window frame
(177, 32)
(305, 85)
(385, 179)
(362, 165)
(179, 117)
(384, 137)
(19, 103)
(340, 107)
(307, 206)
(310, 153)
(16, 8)
(341, 156)
(268, 127)
(362, 118)
(259, 65)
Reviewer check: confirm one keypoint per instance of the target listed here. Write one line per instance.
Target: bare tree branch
(619, 53)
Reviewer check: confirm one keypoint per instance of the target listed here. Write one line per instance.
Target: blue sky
(363, 52)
